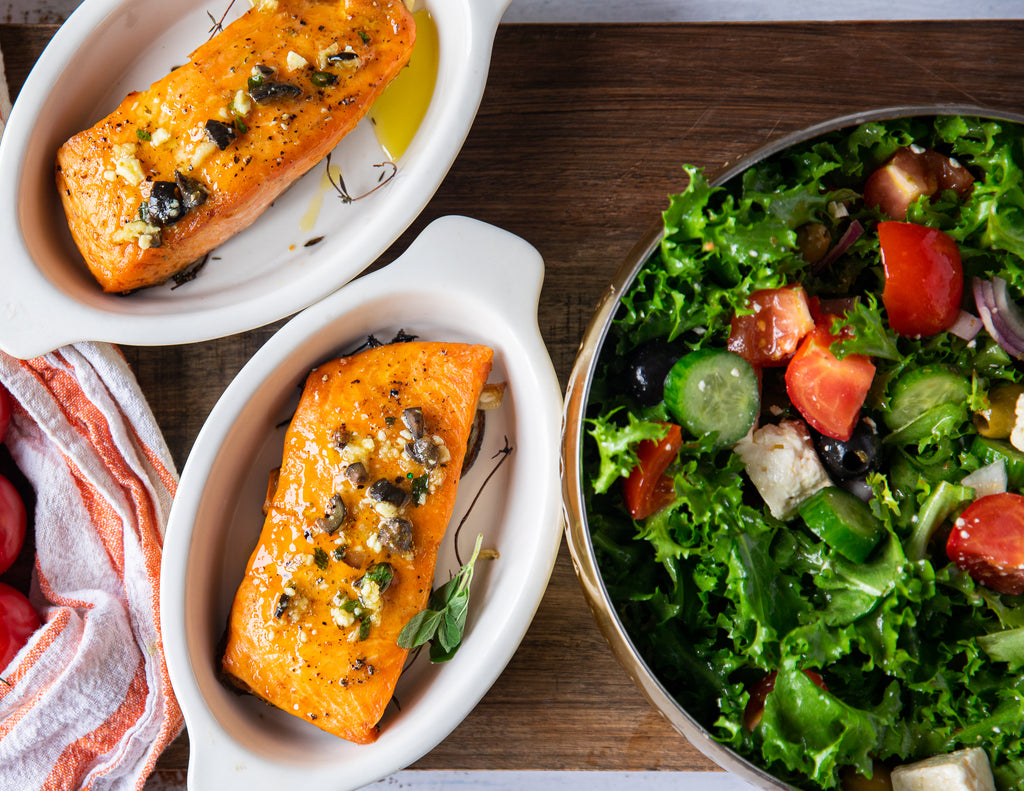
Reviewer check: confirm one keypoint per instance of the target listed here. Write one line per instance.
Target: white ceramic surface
(110, 47)
(461, 280)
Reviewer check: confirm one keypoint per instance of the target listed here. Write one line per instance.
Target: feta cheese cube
(1017, 433)
(963, 770)
(781, 463)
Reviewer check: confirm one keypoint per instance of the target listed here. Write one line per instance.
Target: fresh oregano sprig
(444, 620)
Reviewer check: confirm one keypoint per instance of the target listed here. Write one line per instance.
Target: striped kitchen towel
(87, 703)
(5, 97)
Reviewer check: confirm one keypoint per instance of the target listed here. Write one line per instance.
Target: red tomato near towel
(13, 521)
(18, 621)
(5, 412)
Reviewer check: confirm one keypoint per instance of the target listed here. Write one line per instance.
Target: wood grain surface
(577, 143)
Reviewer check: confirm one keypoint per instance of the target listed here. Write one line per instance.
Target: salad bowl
(462, 281)
(326, 229)
(624, 577)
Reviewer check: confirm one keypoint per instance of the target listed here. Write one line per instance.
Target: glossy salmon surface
(354, 518)
(177, 169)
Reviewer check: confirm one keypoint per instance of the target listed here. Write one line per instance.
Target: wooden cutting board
(578, 141)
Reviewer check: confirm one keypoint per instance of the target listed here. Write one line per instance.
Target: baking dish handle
(487, 14)
(500, 270)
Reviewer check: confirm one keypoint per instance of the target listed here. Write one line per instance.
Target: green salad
(802, 472)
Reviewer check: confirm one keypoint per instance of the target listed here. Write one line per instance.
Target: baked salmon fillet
(177, 169)
(346, 557)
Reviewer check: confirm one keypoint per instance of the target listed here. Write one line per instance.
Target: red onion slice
(966, 326)
(853, 232)
(1000, 317)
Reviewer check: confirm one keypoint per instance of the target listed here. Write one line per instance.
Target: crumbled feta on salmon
(963, 770)
(781, 463)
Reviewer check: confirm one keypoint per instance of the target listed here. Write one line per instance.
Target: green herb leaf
(322, 79)
(320, 558)
(142, 134)
(869, 331)
(364, 36)
(444, 620)
(381, 573)
(421, 628)
(420, 488)
(617, 445)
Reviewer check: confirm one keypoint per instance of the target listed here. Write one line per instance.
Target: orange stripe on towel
(78, 759)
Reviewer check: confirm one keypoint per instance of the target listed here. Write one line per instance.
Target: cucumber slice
(713, 392)
(938, 421)
(843, 521)
(922, 389)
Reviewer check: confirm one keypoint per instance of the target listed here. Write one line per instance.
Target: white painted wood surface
(51, 11)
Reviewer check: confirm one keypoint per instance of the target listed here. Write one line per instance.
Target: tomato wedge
(987, 541)
(924, 278)
(18, 620)
(781, 318)
(648, 489)
(828, 392)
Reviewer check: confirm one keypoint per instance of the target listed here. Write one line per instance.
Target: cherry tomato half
(924, 278)
(781, 318)
(911, 173)
(828, 392)
(5, 412)
(648, 489)
(18, 621)
(13, 521)
(987, 541)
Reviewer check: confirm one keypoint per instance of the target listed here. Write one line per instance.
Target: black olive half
(193, 193)
(396, 535)
(282, 605)
(423, 451)
(647, 368)
(356, 473)
(855, 457)
(220, 133)
(333, 518)
(383, 491)
(165, 205)
(267, 92)
(413, 420)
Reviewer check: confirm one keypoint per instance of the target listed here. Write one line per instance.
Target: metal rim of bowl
(577, 394)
